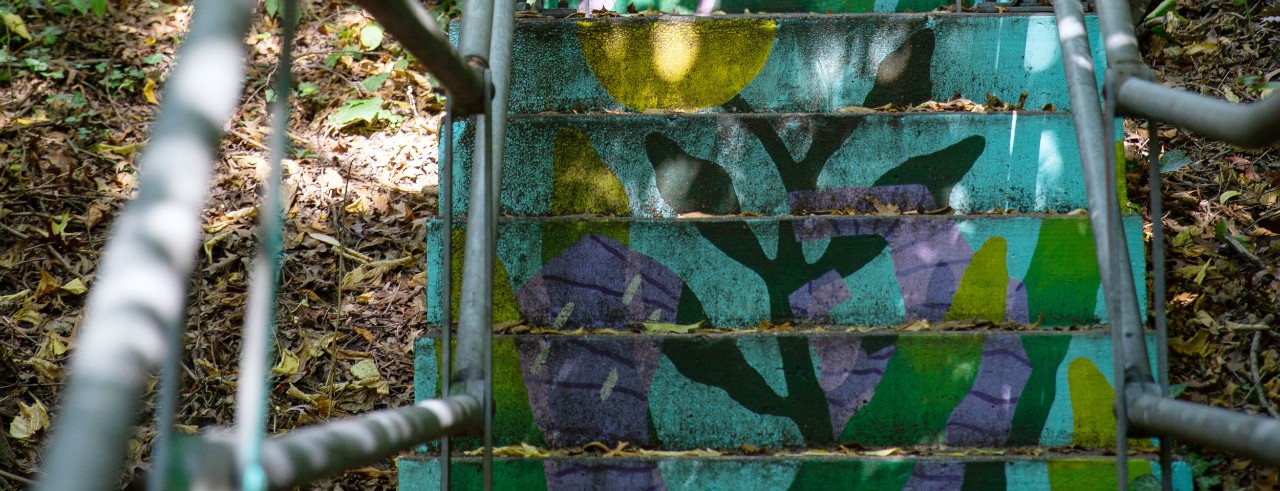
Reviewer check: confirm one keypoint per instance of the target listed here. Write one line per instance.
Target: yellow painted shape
(984, 286)
(583, 183)
(676, 64)
(505, 307)
(1091, 400)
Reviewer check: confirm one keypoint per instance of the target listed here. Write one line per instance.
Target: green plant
(119, 77)
(1200, 471)
(363, 111)
(1258, 85)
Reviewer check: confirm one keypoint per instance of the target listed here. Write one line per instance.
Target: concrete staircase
(882, 300)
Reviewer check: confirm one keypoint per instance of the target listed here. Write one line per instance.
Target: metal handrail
(413, 26)
(136, 309)
(1141, 405)
(1245, 125)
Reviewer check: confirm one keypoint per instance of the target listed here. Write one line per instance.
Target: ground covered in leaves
(77, 91)
(1221, 219)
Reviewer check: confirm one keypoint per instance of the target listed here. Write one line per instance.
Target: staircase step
(686, 7)
(775, 164)
(791, 390)
(786, 63)
(568, 273)
(800, 472)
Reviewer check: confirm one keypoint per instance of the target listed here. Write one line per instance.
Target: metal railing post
(253, 389)
(1141, 401)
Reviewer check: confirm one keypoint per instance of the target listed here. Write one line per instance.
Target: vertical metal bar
(477, 30)
(1158, 293)
(445, 168)
(257, 344)
(492, 234)
(140, 295)
(496, 80)
(167, 399)
(1117, 333)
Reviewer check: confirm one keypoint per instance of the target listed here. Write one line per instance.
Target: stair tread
(732, 473)
(785, 62)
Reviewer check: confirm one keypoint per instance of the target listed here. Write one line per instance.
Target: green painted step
(803, 389)
(686, 7)
(569, 273)
(785, 63)
(1066, 473)
(774, 164)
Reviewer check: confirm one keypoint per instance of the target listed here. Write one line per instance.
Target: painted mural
(786, 63)
(730, 474)
(719, 164)
(614, 273)
(740, 6)
(985, 390)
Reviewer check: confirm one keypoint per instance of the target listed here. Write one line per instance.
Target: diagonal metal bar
(308, 454)
(1246, 125)
(1158, 292)
(142, 282)
(413, 26)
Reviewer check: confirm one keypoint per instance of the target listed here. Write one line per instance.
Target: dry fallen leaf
(31, 420)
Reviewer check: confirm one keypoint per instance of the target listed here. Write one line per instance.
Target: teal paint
(1046, 353)
(850, 154)
(871, 300)
(882, 474)
(426, 369)
(1018, 259)
(730, 293)
(1059, 428)
(820, 64)
(419, 473)
(1181, 474)
(724, 390)
(727, 475)
(728, 279)
(681, 408)
(1028, 474)
(772, 387)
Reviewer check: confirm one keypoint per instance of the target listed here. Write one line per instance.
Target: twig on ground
(1257, 379)
(8, 475)
(1240, 249)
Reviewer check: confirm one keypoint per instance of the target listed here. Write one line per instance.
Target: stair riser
(643, 165)
(847, 270)
(797, 390)
(812, 474)
(785, 63)
(739, 6)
